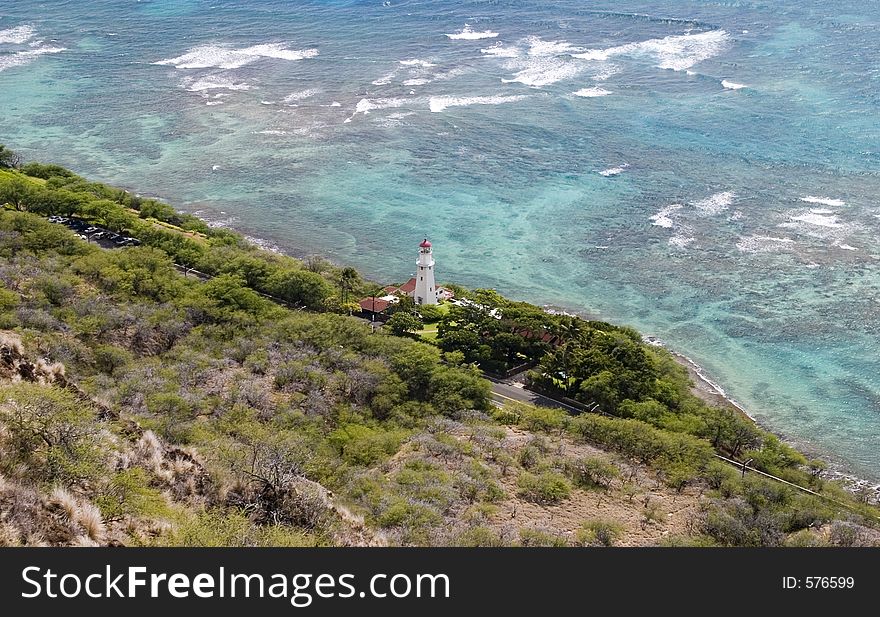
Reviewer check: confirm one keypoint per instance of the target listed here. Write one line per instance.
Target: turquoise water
(707, 172)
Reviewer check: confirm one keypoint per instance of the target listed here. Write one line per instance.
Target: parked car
(91, 230)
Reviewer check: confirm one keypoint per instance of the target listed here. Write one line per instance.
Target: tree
(45, 171)
(300, 287)
(9, 159)
(430, 313)
(48, 431)
(402, 324)
(600, 389)
(17, 192)
(348, 278)
(189, 255)
(404, 304)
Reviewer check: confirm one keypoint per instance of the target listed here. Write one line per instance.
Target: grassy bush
(592, 472)
(478, 537)
(542, 419)
(128, 494)
(548, 487)
(364, 446)
(538, 537)
(599, 533)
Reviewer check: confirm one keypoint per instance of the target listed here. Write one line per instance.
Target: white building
(426, 288)
(422, 288)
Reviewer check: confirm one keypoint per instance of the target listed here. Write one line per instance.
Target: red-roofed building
(409, 287)
(374, 306)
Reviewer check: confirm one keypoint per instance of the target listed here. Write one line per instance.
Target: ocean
(707, 172)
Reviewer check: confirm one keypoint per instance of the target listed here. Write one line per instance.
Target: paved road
(504, 392)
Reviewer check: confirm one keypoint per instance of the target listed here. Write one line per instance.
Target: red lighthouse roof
(425, 244)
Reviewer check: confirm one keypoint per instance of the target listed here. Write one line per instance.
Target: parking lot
(103, 237)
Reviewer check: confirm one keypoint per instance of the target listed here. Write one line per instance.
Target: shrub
(845, 533)
(599, 533)
(538, 537)
(805, 539)
(109, 358)
(592, 472)
(544, 419)
(479, 536)
(362, 445)
(529, 457)
(50, 432)
(735, 523)
(405, 513)
(128, 494)
(548, 487)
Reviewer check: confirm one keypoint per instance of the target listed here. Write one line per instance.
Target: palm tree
(348, 279)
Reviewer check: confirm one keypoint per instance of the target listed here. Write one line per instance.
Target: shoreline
(712, 393)
(703, 387)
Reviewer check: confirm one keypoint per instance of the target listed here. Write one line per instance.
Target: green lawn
(428, 333)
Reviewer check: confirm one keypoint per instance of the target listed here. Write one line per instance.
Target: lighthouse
(426, 289)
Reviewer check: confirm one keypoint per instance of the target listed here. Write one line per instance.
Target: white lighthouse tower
(426, 289)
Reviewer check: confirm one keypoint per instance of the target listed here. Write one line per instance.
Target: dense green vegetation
(155, 408)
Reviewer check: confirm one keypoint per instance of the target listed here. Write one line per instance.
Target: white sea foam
(215, 82)
(680, 240)
(417, 62)
(545, 63)
(678, 53)
(817, 218)
(276, 132)
(847, 247)
(500, 51)
(293, 98)
(420, 81)
(613, 171)
(821, 223)
(24, 57)
(592, 92)
(468, 34)
(545, 71)
(438, 103)
(606, 71)
(540, 47)
(732, 85)
(17, 35)
(451, 73)
(825, 201)
(663, 217)
(365, 106)
(715, 204)
(395, 119)
(223, 57)
(762, 244)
